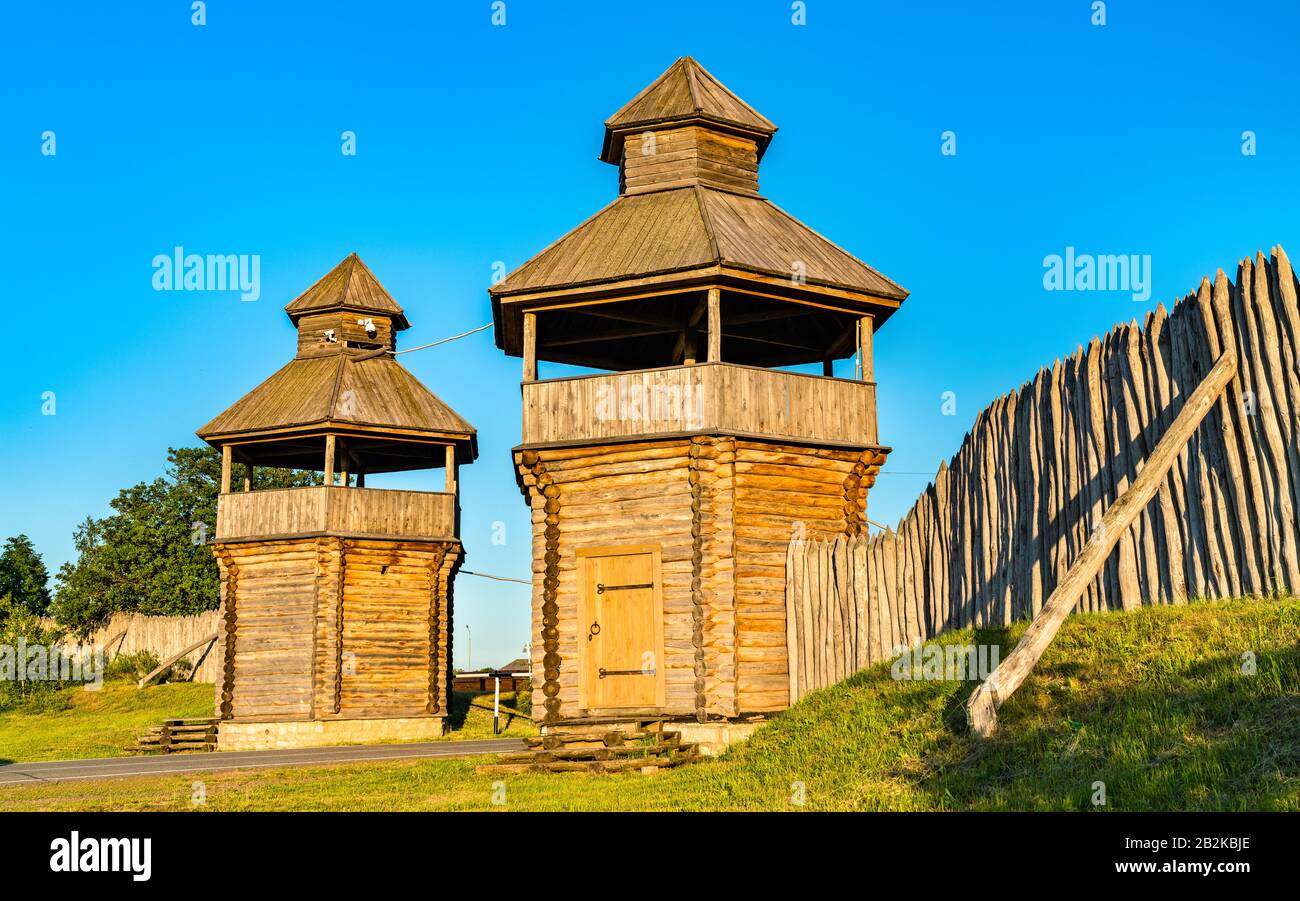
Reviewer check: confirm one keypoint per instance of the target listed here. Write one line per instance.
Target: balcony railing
(334, 510)
(705, 398)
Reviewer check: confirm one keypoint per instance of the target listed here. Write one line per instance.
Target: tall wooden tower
(336, 599)
(665, 492)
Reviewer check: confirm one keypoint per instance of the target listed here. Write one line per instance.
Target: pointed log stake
(982, 709)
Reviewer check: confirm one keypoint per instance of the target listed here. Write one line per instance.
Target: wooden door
(621, 633)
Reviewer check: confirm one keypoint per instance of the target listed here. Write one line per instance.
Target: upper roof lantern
(625, 289)
(348, 286)
(685, 94)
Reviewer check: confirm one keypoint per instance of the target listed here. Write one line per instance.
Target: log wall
(988, 540)
(723, 510)
(330, 627)
(784, 491)
(653, 161)
(597, 496)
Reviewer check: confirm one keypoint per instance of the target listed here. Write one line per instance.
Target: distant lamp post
(496, 703)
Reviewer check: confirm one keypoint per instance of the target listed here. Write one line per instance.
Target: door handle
(593, 631)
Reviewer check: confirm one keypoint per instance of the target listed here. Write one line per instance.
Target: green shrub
(133, 666)
(138, 664)
(23, 631)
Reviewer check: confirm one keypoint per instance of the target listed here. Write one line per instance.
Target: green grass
(100, 723)
(471, 718)
(105, 722)
(1153, 703)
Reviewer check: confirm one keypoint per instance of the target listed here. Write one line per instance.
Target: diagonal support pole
(982, 708)
(162, 667)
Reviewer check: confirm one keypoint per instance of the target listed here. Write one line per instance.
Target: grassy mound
(1194, 707)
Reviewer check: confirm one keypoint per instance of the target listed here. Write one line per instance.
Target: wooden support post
(329, 459)
(530, 347)
(982, 708)
(248, 477)
(690, 348)
(225, 468)
(828, 368)
(715, 326)
(866, 368)
(361, 479)
(451, 469)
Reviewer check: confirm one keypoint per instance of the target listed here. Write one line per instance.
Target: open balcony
(704, 398)
(336, 510)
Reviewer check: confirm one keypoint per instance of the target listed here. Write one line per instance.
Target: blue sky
(477, 143)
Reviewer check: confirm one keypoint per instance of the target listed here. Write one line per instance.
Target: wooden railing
(706, 397)
(334, 510)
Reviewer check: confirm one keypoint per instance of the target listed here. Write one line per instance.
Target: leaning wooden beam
(982, 708)
(162, 667)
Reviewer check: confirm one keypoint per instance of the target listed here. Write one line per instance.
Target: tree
(152, 554)
(23, 576)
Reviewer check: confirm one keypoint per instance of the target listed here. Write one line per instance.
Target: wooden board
(621, 605)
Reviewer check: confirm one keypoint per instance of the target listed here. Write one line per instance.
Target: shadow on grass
(1224, 740)
(954, 710)
(462, 701)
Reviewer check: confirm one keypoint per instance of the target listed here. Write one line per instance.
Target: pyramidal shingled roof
(349, 285)
(341, 389)
(689, 228)
(683, 93)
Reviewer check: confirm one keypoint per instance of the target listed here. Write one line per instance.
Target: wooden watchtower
(665, 492)
(337, 598)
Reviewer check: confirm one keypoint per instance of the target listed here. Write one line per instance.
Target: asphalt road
(204, 762)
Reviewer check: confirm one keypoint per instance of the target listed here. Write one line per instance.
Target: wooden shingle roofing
(352, 286)
(355, 388)
(344, 389)
(686, 92)
(658, 231)
(688, 228)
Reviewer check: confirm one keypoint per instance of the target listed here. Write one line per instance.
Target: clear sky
(477, 143)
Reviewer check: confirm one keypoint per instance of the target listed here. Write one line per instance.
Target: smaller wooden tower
(665, 492)
(336, 599)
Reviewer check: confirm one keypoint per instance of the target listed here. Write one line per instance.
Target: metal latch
(625, 672)
(601, 588)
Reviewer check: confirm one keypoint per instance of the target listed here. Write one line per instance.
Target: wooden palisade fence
(163, 636)
(988, 541)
